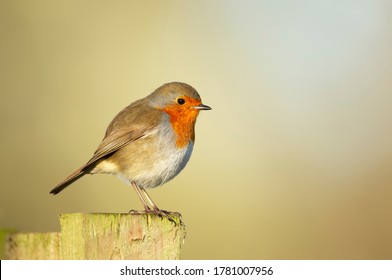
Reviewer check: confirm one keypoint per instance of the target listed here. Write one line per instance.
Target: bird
(148, 143)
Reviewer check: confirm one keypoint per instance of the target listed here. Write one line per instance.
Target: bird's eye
(180, 101)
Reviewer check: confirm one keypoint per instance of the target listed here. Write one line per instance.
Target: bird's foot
(159, 212)
(170, 213)
(163, 213)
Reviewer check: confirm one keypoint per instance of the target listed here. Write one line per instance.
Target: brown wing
(115, 141)
(110, 144)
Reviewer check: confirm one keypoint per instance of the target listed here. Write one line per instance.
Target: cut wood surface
(103, 236)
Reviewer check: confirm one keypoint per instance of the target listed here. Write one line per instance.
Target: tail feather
(69, 180)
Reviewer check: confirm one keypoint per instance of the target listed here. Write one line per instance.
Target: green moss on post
(4, 233)
(33, 246)
(102, 236)
(120, 236)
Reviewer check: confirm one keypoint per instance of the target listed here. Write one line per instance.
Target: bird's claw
(159, 212)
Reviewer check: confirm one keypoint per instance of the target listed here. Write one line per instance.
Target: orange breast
(183, 122)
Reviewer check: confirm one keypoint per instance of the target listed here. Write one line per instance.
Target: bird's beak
(202, 107)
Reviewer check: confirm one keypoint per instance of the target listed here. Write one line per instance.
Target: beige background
(294, 160)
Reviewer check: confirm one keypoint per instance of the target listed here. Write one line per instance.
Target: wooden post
(103, 236)
(33, 246)
(4, 233)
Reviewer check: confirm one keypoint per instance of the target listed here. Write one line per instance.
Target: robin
(148, 143)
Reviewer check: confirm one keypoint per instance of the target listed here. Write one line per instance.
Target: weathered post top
(103, 236)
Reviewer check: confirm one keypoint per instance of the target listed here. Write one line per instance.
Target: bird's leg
(147, 208)
(150, 200)
(155, 209)
(139, 193)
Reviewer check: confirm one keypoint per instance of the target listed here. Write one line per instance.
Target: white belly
(171, 163)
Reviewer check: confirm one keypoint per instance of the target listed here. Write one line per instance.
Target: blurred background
(293, 162)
